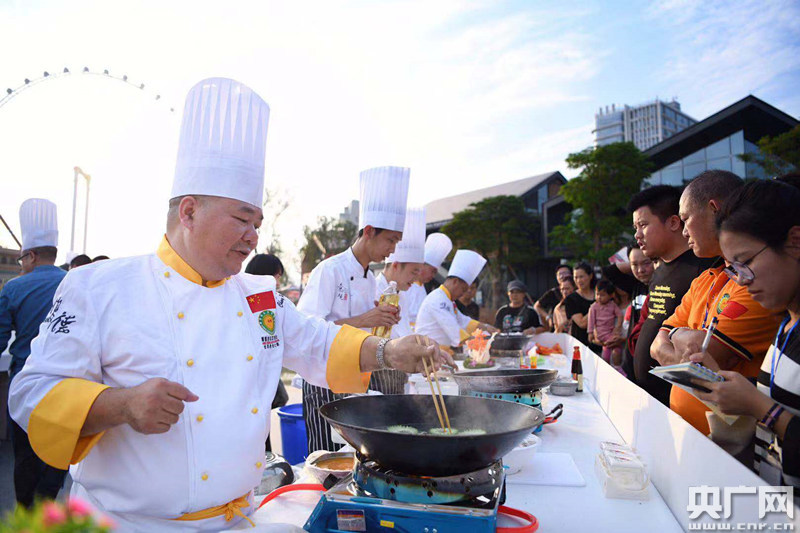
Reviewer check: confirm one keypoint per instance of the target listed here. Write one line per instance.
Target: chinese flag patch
(261, 301)
(734, 310)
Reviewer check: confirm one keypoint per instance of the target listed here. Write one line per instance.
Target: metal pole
(11, 232)
(74, 207)
(86, 215)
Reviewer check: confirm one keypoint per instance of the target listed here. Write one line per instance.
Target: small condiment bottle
(577, 368)
(534, 356)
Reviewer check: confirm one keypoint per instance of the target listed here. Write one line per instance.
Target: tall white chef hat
(437, 247)
(37, 218)
(384, 193)
(467, 265)
(411, 249)
(223, 142)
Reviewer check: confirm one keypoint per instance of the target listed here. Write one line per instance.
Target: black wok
(505, 342)
(509, 380)
(362, 421)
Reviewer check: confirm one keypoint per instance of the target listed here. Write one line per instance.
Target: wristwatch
(379, 354)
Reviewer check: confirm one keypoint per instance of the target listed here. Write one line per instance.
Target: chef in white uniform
(438, 317)
(402, 268)
(341, 289)
(153, 375)
(437, 246)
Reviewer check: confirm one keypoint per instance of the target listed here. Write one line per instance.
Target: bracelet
(772, 416)
(379, 354)
(672, 333)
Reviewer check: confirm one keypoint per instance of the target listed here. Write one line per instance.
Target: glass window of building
(719, 149)
(541, 197)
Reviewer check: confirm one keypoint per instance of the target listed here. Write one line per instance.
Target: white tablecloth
(578, 432)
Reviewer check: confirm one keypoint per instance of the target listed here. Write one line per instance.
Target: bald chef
(153, 375)
(342, 288)
(438, 317)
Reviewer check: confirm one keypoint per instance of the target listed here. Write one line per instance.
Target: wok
(508, 380)
(505, 342)
(362, 421)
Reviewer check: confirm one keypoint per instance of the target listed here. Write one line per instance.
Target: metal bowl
(566, 387)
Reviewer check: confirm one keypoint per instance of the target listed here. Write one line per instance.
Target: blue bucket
(293, 433)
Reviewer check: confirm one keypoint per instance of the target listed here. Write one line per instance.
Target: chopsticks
(445, 422)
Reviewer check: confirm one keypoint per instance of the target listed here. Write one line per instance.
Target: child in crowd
(605, 324)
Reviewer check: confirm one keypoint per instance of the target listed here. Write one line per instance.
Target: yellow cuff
(55, 425)
(472, 326)
(463, 335)
(343, 372)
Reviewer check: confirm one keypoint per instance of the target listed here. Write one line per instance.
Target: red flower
(79, 508)
(53, 514)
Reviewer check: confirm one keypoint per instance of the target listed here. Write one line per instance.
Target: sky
(466, 94)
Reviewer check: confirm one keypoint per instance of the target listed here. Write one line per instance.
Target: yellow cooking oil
(389, 296)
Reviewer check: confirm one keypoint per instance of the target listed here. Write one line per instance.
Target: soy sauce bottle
(577, 367)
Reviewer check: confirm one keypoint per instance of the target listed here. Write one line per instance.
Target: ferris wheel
(46, 76)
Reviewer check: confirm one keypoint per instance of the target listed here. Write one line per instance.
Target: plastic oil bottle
(389, 296)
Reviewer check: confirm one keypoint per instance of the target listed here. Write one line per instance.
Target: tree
(330, 237)
(502, 230)
(779, 154)
(276, 202)
(609, 176)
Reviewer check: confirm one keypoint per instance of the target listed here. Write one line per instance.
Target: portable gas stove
(531, 399)
(374, 498)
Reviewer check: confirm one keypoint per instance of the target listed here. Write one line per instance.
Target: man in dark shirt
(632, 277)
(659, 233)
(545, 305)
(516, 317)
(467, 304)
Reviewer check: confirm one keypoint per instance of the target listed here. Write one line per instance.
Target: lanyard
(714, 295)
(774, 364)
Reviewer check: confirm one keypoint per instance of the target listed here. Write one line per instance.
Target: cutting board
(556, 469)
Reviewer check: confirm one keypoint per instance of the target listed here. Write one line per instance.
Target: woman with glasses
(760, 238)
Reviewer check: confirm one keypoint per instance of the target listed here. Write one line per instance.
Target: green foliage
(502, 230)
(779, 154)
(609, 176)
(331, 234)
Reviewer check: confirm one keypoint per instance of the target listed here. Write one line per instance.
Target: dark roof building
(715, 142)
(534, 191)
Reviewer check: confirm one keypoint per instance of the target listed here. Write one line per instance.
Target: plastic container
(293, 433)
(522, 455)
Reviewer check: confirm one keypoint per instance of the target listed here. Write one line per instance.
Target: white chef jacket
(414, 296)
(339, 287)
(120, 322)
(440, 319)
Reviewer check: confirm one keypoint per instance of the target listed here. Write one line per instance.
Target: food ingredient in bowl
(336, 463)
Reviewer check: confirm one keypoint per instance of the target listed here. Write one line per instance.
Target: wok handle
(533, 523)
(553, 415)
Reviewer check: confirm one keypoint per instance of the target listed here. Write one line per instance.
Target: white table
(578, 432)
